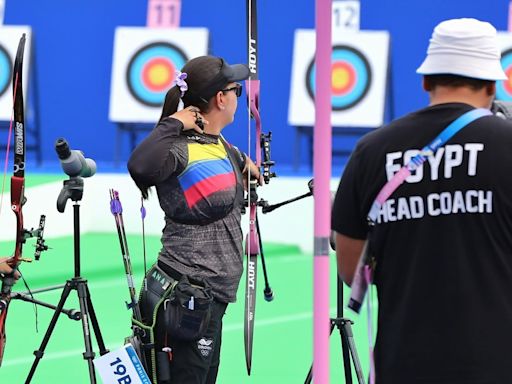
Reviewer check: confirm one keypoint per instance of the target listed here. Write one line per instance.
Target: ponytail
(172, 99)
(144, 190)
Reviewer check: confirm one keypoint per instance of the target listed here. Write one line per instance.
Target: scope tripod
(347, 342)
(73, 189)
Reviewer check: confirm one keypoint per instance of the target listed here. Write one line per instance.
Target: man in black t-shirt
(442, 242)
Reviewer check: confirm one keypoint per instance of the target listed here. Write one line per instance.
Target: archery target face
(9, 40)
(151, 72)
(350, 80)
(144, 65)
(359, 66)
(504, 87)
(5, 70)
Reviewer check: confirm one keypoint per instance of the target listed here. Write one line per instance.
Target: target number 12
(345, 15)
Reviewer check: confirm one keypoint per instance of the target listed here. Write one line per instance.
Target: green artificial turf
(31, 180)
(283, 332)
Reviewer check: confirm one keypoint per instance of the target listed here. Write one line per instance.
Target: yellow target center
(159, 74)
(340, 78)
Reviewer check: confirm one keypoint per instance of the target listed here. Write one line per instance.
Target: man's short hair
(456, 81)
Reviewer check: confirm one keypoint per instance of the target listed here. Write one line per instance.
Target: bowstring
(8, 147)
(249, 130)
(36, 314)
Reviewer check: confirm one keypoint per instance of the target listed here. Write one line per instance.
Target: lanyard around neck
(429, 150)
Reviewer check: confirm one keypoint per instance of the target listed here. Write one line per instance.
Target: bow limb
(17, 189)
(253, 241)
(252, 250)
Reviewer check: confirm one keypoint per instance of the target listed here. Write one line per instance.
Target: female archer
(199, 181)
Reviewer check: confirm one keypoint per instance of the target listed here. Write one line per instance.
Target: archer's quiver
(172, 308)
(157, 288)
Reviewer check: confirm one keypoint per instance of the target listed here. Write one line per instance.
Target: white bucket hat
(464, 47)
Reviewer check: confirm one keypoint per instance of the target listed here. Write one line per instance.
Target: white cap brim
(477, 68)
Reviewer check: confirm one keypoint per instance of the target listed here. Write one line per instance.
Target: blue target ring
(351, 77)
(151, 72)
(5, 70)
(504, 87)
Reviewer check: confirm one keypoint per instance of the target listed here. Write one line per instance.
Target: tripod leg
(89, 353)
(40, 352)
(95, 326)
(339, 321)
(349, 336)
(345, 348)
(310, 373)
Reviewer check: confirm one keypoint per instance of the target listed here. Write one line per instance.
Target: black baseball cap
(218, 73)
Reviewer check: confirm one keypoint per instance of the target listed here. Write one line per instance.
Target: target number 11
(345, 15)
(164, 13)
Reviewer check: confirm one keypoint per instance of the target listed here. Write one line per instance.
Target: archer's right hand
(191, 118)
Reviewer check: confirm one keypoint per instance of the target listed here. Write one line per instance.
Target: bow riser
(17, 194)
(252, 236)
(253, 88)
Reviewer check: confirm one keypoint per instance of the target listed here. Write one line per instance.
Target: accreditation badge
(121, 366)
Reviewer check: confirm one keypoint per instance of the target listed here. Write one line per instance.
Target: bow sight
(267, 174)
(38, 234)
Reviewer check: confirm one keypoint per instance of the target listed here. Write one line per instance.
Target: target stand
(132, 130)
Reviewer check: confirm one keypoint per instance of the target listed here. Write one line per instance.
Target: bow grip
(17, 193)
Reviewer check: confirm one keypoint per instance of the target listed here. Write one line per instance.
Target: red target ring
(344, 77)
(158, 73)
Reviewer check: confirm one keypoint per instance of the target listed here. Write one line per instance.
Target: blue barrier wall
(73, 42)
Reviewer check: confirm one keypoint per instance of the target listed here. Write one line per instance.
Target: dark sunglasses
(237, 88)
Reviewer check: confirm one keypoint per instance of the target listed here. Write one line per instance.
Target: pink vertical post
(322, 148)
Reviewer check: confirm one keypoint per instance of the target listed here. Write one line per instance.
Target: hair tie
(180, 82)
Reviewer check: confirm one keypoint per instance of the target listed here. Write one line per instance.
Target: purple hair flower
(179, 81)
